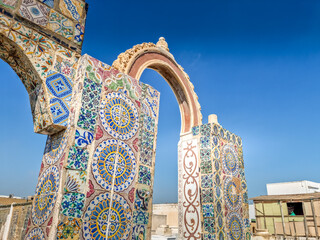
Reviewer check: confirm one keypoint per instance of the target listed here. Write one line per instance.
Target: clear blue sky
(256, 64)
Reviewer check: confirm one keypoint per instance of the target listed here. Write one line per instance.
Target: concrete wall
(169, 210)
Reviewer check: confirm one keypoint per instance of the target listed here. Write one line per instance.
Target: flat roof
(287, 197)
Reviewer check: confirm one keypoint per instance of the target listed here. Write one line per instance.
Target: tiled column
(224, 198)
(94, 183)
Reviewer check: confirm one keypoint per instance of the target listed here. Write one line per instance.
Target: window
(295, 208)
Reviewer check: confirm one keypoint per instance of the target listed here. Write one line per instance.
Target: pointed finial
(162, 44)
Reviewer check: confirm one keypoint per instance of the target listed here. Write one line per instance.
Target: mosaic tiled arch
(157, 57)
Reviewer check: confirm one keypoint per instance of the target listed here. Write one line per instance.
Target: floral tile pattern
(60, 24)
(77, 159)
(69, 229)
(75, 181)
(208, 210)
(78, 33)
(142, 199)
(83, 138)
(65, 66)
(91, 95)
(144, 175)
(87, 119)
(72, 204)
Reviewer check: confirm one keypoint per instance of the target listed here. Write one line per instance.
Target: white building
(298, 187)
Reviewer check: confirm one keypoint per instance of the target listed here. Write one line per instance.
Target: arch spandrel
(157, 57)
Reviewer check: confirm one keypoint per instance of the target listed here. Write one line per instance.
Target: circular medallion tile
(55, 146)
(114, 158)
(45, 197)
(235, 226)
(232, 194)
(35, 234)
(101, 215)
(230, 160)
(119, 116)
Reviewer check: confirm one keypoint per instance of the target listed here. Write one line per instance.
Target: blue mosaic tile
(83, 138)
(206, 181)
(78, 33)
(208, 225)
(205, 129)
(195, 130)
(87, 119)
(146, 156)
(142, 198)
(207, 195)
(208, 210)
(91, 95)
(58, 85)
(77, 158)
(148, 123)
(59, 111)
(205, 142)
(144, 175)
(206, 166)
(72, 204)
(49, 3)
(205, 154)
(147, 140)
(140, 217)
(215, 129)
(208, 236)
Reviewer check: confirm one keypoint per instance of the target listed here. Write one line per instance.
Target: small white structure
(298, 187)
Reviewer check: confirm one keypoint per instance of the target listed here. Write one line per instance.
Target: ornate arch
(157, 57)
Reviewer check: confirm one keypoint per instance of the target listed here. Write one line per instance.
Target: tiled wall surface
(96, 177)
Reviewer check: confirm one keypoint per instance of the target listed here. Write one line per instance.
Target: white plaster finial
(213, 118)
(162, 43)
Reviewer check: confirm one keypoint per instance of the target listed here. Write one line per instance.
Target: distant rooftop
(287, 197)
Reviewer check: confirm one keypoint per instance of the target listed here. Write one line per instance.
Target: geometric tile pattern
(223, 185)
(59, 85)
(34, 11)
(103, 213)
(60, 89)
(114, 163)
(60, 24)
